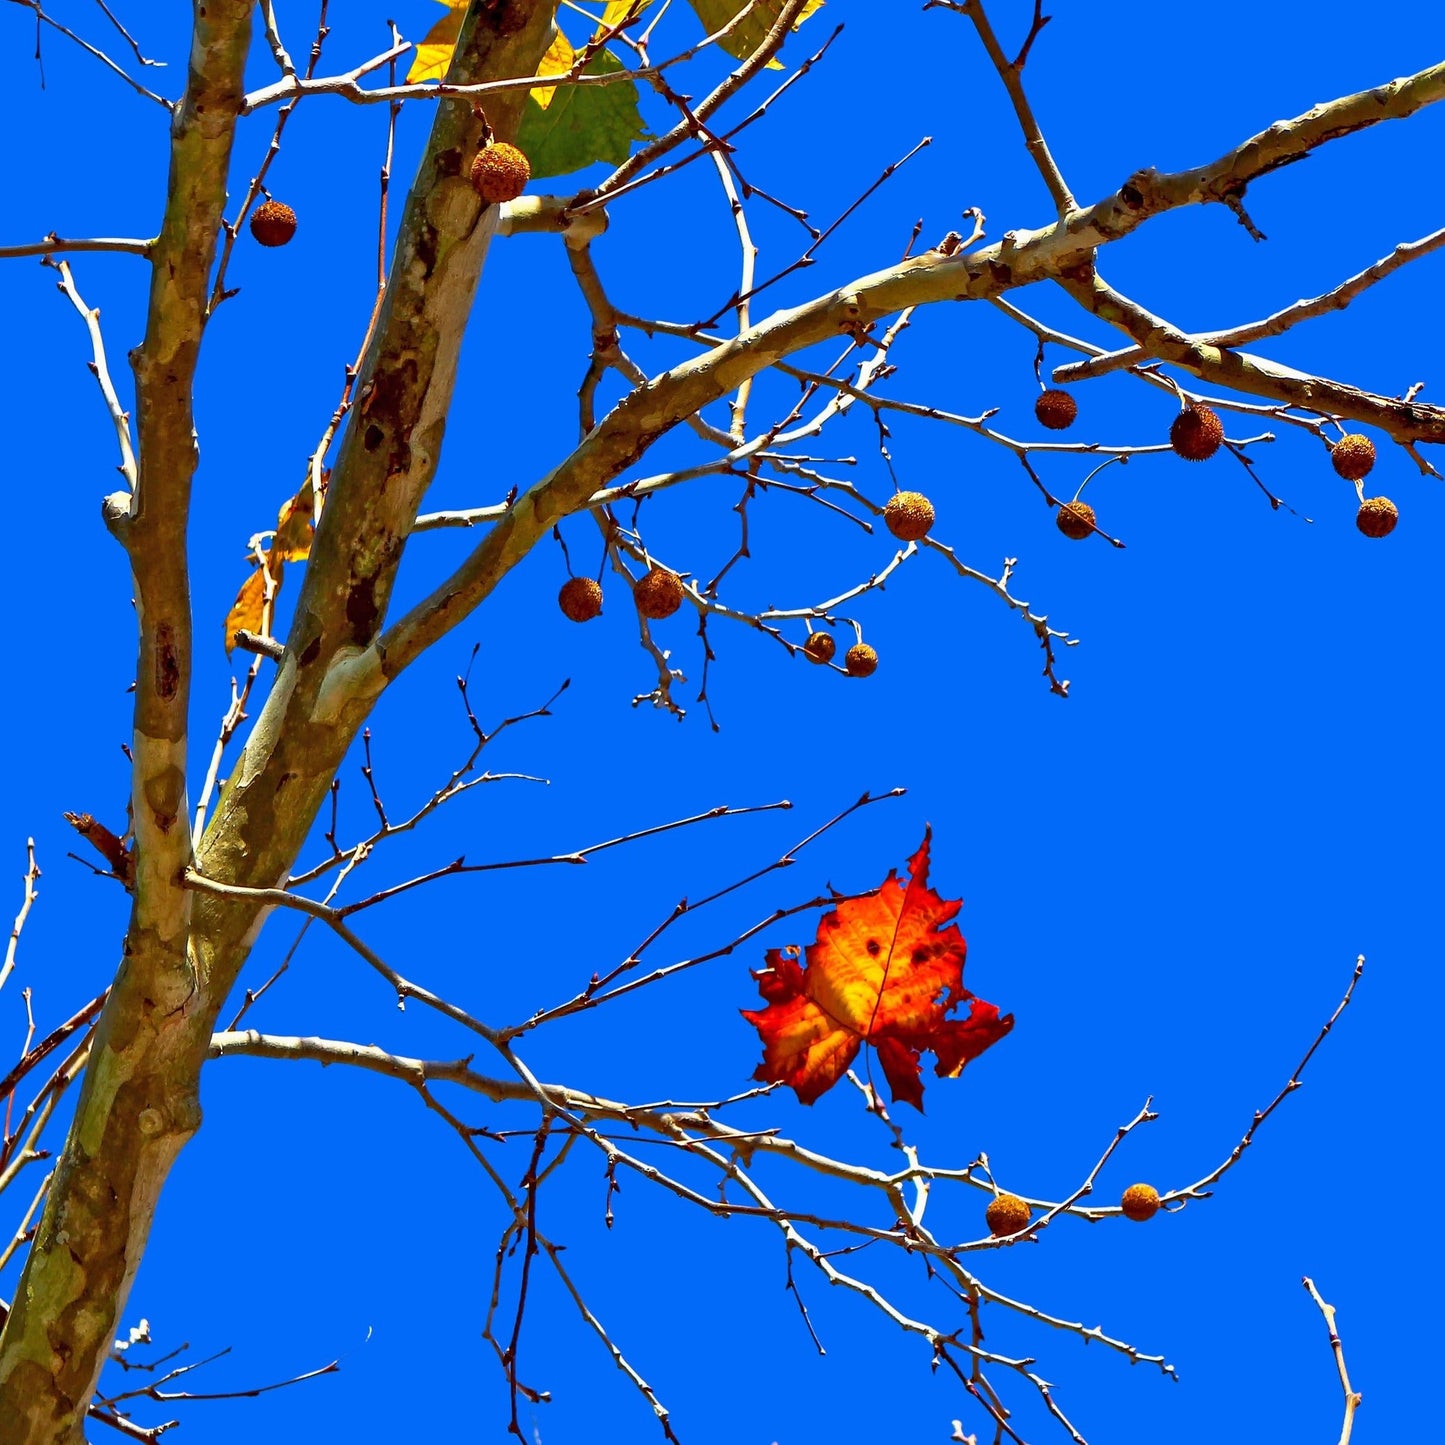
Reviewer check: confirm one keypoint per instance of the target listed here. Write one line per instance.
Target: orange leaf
(887, 970)
(292, 540)
(248, 611)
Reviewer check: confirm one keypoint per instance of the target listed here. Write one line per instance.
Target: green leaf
(742, 40)
(582, 124)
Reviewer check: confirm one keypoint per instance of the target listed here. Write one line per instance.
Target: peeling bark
(140, 1101)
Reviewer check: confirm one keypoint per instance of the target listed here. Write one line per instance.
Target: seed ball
(1197, 433)
(1353, 456)
(1075, 519)
(658, 594)
(1140, 1202)
(1056, 410)
(1377, 516)
(580, 599)
(500, 173)
(861, 660)
(273, 223)
(1007, 1214)
(820, 646)
(908, 516)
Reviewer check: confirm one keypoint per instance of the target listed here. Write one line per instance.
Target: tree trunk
(140, 1101)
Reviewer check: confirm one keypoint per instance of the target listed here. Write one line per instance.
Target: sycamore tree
(694, 435)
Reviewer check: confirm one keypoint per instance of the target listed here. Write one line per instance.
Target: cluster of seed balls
(659, 593)
(1196, 434)
(499, 173)
(1007, 1213)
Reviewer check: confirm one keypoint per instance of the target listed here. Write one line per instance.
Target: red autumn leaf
(886, 969)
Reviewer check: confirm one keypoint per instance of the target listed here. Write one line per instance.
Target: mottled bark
(140, 1100)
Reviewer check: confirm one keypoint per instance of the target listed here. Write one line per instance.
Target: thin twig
(32, 877)
(1352, 1396)
(120, 418)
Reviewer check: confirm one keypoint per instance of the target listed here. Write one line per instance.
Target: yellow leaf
(292, 541)
(248, 611)
(615, 11)
(557, 61)
(745, 37)
(434, 54)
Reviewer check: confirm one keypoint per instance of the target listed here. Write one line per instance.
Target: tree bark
(140, 1101)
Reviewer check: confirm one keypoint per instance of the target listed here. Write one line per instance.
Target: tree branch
(1352, 1396)
(53, 245)
(1275, 325)
(1062, 251)
(136, 1112)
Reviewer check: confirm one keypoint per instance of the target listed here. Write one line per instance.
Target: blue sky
(1167, 877)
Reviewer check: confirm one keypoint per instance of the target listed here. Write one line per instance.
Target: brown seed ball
(860, 660)
(1056, 410)
(1377, 516)
(908, 516)
(658, 594)
(1197, 433)
(1140, 1202)
(820, 646)
(1353, 456)
(273, 223)
(1007, 1214)
(580, 599)
(1075, 519)
(500, 173)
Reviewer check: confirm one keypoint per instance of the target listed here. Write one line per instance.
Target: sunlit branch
(579, 855)
(1352, 1396)
(22, 1230)
(118, 70)
(1274, 325)
(460, 781)
(120, 418)
(788, 16)
(1011, 73)
(32, 877)
(1200, 1189)
(53, 245)
(21, 1147)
